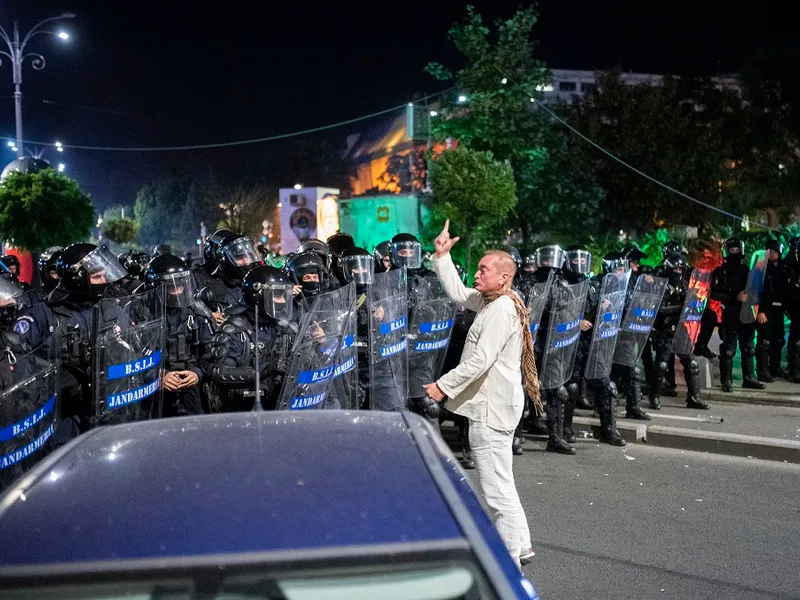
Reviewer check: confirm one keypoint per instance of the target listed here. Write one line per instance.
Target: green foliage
(43, 209)
(475, 192)
(121, 231)
(651, 242)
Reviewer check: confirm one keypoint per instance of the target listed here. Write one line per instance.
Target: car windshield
(446, 581)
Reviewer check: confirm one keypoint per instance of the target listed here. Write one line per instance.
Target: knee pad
(573, 389)
(763, 343)
(637, 372)
(693, 367)
(612, 388)
(661, 367)
(562, 394)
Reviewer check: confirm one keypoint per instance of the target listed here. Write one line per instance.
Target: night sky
(170, 73)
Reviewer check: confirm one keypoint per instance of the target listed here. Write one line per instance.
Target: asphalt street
(644, 522)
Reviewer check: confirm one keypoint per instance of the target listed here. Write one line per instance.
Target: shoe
(637, 414)
(752, 384)
(569, 435)
(612, 436)
(705, 353)
(765, 377)
(697, 404)
(516, 447)
(537, 427)
(560, 446)
(727, 386)
(655, 403)
(467, 461)
(778, 372)
(526, 556)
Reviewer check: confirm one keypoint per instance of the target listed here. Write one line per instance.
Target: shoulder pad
(229, 327)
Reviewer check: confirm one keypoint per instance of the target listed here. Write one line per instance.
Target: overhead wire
(639, 171)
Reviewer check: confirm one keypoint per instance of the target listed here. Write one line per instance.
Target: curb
(731, 444)
(753, 397)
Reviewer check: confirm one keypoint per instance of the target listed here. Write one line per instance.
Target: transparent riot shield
(429, 335)
(755, 285)
(315, 353)
(639, 318)
(605, 333)
(537, 301)
(388, 341)
(563, 333)
(692, 313)
(344, 387)
(29, 409)
(128, 335)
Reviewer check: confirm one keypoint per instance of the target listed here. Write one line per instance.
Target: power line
(221, 144)
(642, 173)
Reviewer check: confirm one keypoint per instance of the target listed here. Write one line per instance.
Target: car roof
(229, 483)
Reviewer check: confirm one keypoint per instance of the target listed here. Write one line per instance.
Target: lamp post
(16, 54)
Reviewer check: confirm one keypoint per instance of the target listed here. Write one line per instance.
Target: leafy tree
(491, 110)
(121, 231)
(475, 191)
(43, 209)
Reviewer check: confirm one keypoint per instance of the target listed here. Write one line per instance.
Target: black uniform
(792, 299)
(664, 328)
(771, 334)
(727, 282)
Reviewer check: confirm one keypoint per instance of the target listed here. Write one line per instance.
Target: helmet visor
(278, 301)
(358, 269)
(407, 254)
(550, 256)
(242, 252)
(178, 289)
(580, 261)
(102, 267)
(10, 293)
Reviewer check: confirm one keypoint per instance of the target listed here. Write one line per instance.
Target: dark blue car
(283, 505)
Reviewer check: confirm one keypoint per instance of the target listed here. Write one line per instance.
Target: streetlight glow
(61, 167)
(10, 144)
(434, 113)
(462, 98)
(63, 35)
(298, 186)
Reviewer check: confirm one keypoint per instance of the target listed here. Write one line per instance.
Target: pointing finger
(446, 226)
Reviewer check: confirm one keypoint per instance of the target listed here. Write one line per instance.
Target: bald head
(495, 271)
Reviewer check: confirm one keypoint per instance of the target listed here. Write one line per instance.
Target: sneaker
(526, 556)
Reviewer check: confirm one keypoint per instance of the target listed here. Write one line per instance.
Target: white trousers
(491, 450)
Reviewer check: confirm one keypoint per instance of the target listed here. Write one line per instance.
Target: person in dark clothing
(769, 321)
(728, 283)
(792, 296)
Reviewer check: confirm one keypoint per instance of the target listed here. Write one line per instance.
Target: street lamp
(16, 54)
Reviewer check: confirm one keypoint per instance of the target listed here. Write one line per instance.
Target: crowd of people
(230, 329)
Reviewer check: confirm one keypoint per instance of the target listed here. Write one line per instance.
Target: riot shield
(639, 318)
(563, 333)
(388, 341)
(315, 353)
(344, 388)
(755, 285)
(128, 334)
(605, 332)
(537, 301)
(692, 313)
(429, 335)
(29, 409)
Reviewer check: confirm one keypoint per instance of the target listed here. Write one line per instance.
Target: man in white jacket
(486, 386)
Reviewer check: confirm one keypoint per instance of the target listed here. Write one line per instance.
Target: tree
(43, 209)
(121, 231)
(246, 208)
(475, 191)
(491, 110)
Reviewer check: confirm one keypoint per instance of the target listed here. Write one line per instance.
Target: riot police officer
(12, 265)
(307, 270)
(769, 321)
(792, 297)
(319, 248)
(85, 273)
(338, 243)
(208, 276)
(12, 301)
(237, 255)
(383, 256)
(259, 330)
(190, 328)
(728, 283)
(664, 328)
(47, 275)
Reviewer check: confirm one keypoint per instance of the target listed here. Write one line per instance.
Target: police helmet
(87, 269)
(161, 250)
(775, 245)
(381, 252)
(339, 242)
(734, 246)
(47, 267)
(211, 249)
(672, 247)
(613, 261)
(269, 291)
(357, 265)
(173, 279)
(550, 257)
(579, 260)
(319, 248)
(237, 255)
(298, 266)
(406, 251)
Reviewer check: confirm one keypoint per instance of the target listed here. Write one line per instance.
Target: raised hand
(443, 242)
